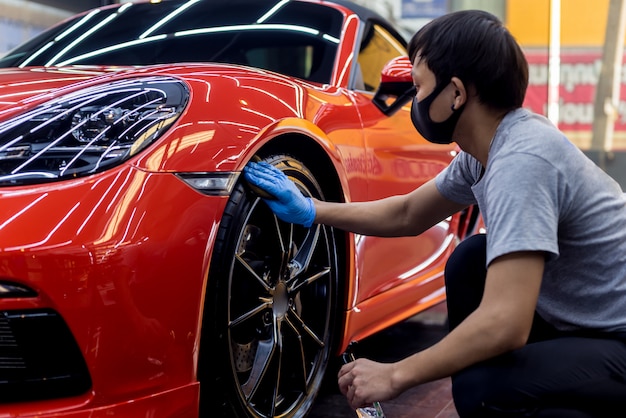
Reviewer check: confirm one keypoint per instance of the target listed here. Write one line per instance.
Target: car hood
(230, 107)
(21, 86)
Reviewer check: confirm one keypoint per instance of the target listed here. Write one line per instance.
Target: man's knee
(468, 259)
(465, 275)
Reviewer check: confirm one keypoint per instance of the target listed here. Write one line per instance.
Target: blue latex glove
(288, 203)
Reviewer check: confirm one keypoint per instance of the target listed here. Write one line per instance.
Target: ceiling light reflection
(272, 11)
(79, 40)
(61, 36)
(233, 28)
(220, 29)
(111, 48)
(86, 34)
(167, 18)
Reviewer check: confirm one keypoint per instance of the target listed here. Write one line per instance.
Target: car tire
(271, 308)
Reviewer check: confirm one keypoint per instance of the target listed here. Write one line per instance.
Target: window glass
(297, 39)
(377, 49)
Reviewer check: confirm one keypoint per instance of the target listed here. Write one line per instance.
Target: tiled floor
(432, 400)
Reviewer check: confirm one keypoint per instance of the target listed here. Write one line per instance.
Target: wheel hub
(281, 300)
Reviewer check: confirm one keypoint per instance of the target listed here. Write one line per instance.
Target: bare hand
(365, 381)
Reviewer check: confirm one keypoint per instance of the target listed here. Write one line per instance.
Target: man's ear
(460, 93)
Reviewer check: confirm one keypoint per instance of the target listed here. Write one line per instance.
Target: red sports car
(139, 275)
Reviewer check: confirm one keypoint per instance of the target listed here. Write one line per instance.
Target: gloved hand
(288, 203)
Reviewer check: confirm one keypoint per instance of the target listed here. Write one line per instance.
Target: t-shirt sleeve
(456, 180)
(522, 200)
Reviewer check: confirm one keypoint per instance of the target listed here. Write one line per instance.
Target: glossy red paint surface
(97, 253)
(398, 69)
(123, 255)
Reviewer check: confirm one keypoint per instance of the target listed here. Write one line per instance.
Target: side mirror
(396, 86)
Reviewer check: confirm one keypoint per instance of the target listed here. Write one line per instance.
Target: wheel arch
(215, 395)
(318, 159)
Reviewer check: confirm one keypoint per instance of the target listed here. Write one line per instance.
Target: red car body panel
(124, 255)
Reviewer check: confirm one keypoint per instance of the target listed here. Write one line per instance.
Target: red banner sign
(579, 73)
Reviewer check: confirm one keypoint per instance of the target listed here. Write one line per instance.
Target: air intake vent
(39, 358)
(10, 358)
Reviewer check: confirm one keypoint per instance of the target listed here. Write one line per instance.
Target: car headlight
(88, 131)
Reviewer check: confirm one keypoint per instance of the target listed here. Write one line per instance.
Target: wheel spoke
(279, 359)
(254, 274)
(249, 314)
(282, 241)
(297, 285)
(300, 324)
(265, 351)
(302, 356)
(302, 259)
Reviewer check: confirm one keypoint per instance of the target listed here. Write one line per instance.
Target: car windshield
(294, 38)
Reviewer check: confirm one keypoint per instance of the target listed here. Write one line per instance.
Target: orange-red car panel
(138, 272)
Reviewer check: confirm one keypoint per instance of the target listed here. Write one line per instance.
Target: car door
(398, 160)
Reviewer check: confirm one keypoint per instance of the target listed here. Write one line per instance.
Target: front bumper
(117, 264)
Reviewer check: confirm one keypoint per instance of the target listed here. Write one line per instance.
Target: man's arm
(501, 323)
(402, 215)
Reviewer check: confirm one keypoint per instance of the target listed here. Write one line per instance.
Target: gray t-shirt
(539, 192)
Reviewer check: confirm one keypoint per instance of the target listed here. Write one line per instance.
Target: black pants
(555, 375)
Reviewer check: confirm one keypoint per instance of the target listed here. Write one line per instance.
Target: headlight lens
(88, 131)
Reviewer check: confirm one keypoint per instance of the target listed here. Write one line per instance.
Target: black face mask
(435, 132)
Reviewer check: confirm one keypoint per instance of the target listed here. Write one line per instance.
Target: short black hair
(474, 46)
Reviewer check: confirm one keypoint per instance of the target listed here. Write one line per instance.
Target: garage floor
(432, 400)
